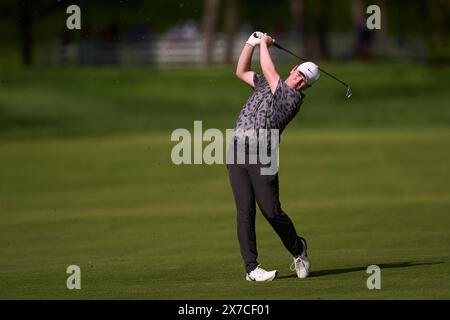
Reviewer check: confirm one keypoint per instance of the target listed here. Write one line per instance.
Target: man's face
(298, 79)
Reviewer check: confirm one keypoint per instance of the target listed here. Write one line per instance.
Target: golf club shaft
(303, 59)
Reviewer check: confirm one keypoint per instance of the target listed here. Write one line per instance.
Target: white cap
(311, 72)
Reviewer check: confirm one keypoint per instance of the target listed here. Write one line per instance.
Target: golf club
(349, 89)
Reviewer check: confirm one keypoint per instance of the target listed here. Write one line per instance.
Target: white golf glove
(255, 38)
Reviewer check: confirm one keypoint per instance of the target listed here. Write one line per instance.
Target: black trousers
(249, 185)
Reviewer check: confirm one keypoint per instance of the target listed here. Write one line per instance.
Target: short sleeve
(279, 89)
(256, 79)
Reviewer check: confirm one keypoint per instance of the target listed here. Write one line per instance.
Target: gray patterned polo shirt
(266, 111)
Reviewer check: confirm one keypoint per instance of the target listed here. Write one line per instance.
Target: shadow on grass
(327, 272)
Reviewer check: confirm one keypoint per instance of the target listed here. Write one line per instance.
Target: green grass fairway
(86, 179)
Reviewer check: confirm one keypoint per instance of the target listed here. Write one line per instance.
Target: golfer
(273, 104)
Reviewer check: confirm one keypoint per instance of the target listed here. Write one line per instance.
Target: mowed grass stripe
(141, 227)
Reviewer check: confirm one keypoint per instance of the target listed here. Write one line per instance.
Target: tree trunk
(297, 11)
(439, 35)
(433, 27)
(209, 26)
(231, 25)
(358, 13)
(362, 36)
(383, 33)
(25, 22)
(322, 28)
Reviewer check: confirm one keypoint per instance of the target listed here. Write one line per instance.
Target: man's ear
(293, 69)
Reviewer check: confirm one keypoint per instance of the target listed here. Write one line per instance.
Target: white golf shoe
(301, 264)
(259, 274)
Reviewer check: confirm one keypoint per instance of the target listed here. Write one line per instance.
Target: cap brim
(304, 76)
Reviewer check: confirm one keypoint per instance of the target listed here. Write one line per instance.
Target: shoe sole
(274, 277)
(270, 279)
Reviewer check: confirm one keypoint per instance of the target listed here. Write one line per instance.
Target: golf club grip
(288, 51)
(278, 46)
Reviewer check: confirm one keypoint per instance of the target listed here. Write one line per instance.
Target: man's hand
(267, 39)
(255, 38)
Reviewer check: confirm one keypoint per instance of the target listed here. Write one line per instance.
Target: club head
(349, 92)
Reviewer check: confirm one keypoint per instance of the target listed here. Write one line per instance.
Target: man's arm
(268, 68)
(243, 69)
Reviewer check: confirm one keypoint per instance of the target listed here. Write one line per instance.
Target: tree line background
(27, 24)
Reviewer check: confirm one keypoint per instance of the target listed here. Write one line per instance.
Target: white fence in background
(165, 51)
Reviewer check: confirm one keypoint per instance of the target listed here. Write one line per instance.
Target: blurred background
(86, 176)
(212, 31)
